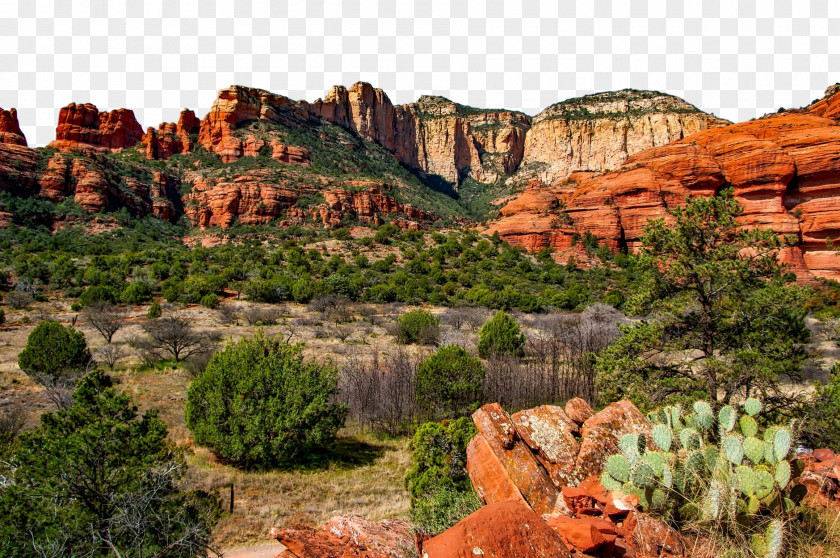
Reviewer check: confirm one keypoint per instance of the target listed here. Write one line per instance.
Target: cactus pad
(702, 407)
(782, 474)
(754, 449)
(642, 475)
(752, 406)
(662, 437)
(618, 466)
(774, 537)
(704, 421)
(748, 426)
(689, 439)
(764, 484)
(656, 460)
(781, 443)
(609, 482)
(746, 480)
(733, 449)
(726, 417)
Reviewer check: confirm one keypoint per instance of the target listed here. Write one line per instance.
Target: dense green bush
(440, 489)
(53, 349)
(500, 335)
(91, 474)
(259, 403)
(449, 383)
(97, 294)
(411, 325)
(821, 424)
(136, 293)
(155, 311)
(210, 301)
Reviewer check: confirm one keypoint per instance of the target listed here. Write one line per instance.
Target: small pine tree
(500, 335)
(449, 383)
(53, 349)
(412, 326)
(154, 311)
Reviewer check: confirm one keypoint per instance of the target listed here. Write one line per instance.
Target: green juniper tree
(723, 318)
(259, 403)
(97, 480)
(500, 335)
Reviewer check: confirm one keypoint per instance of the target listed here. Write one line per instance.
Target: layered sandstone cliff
(84, 127)
(784, 169)
(10, 132)
(599, 132)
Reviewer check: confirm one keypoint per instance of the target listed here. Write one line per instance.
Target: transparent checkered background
(735, 58)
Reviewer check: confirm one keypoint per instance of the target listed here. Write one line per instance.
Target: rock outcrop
(256, 198)
(436, 136)
(784, 169)
(170, 138)
(84, 127)
(10, 132)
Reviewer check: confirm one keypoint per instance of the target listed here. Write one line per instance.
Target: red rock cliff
(84, 127)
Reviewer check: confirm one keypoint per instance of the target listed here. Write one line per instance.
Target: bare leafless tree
(59, 387)
(227, 313)
(12, 419)
(104, 317)
(176, 337)
(254, 314)
(109, 355)
(380, 392)
(333, 307)
(19, 299)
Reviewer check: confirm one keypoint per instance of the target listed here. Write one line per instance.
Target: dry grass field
(359, 474)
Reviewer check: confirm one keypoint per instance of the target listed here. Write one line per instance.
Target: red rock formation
(498, 446)
(501, 530)
(18, 169)
(84, 127)
(170, 138)
(578, 410)
(10, 129)
(251, 199)
(785, 170)
(289, 153)
(236, 105)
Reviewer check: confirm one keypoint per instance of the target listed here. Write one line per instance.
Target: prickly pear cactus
(711, 466)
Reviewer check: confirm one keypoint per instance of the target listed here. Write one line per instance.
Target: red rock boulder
(501, 530)
(502, 467)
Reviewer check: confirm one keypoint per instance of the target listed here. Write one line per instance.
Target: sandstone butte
(529, 511)
(784, 168)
